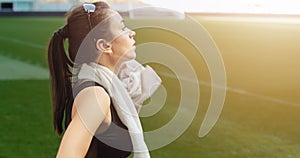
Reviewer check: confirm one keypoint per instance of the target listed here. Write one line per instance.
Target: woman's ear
(103, 46)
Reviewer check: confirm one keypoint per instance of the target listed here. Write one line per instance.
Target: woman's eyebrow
(122, 21)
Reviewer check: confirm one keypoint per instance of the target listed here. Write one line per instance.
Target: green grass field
(260, 117)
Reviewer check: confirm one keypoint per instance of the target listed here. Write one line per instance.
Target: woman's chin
(130, 55)
(126, 57)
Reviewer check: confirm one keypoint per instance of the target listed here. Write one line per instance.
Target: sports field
(260, 117)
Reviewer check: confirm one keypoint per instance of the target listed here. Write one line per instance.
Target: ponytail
(60, 77)
(61, 64)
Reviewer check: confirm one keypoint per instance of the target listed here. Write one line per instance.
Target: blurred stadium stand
(59, 8)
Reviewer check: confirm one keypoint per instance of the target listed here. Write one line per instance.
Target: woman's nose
(131, 34)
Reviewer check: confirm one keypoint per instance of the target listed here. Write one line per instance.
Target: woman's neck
(113, 66)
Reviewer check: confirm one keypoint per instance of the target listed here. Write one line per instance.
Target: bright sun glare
(231, 6)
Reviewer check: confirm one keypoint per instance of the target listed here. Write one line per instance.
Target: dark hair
(60, 63)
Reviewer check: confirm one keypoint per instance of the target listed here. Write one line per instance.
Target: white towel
(141, 82)
(122, 102)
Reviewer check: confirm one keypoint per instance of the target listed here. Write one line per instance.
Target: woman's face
(123, 46)
(119, 37)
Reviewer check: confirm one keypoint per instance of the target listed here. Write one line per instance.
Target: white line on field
(22, 42)
(231, 89)
(12, 69)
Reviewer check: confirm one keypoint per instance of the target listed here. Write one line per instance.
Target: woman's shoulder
(82, 84)
(89, 88)
(91, 93)
(92, 104)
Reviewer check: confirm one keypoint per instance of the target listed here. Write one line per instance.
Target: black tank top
(114, 142)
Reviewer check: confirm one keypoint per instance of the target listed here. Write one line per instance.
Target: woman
(99, 109)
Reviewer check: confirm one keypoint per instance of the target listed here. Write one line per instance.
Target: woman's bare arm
(92, 105)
